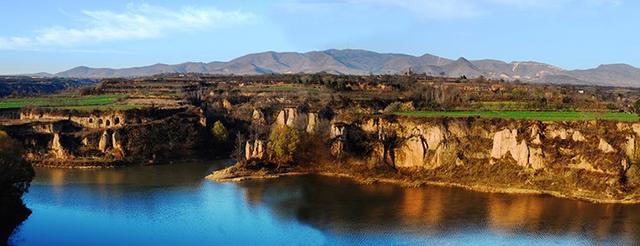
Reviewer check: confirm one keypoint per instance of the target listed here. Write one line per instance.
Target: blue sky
(52, 36)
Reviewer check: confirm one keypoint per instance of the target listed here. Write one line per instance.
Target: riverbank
(240, 173)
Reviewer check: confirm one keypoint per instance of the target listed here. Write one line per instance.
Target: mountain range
(361, 62)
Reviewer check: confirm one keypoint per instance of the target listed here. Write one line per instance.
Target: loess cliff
(592, 160)
(110, 138)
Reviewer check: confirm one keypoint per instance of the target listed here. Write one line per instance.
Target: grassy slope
(530, 115)
(62, 101)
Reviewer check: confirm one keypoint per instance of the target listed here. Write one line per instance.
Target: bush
(219, 132)
(636, 106)
(283, 143)
(399, 107)
(633, 175)
(15, 172)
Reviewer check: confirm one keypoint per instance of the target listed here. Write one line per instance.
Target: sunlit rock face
(291, 117)
(312, 123)
(431, 143)
(57, 149)
(413, 153)
(258, 117)
(255, 150)
(94, 120)
(506, 142)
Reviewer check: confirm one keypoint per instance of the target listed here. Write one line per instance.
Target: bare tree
(238, 151)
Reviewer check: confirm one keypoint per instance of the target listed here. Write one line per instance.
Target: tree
(15, 172)
(283, 143)
(238, 148)
(219, 132)
(636, 106)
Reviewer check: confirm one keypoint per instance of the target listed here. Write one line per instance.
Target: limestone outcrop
(432, 143)
(506, 142)
(57, 149)
(255, 150)
(309, 122)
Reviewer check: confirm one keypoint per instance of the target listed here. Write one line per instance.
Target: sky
(52, 36)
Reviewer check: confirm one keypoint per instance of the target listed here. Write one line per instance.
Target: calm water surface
(174, 205)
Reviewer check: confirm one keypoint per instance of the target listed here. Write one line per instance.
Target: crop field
(62, 101)
(528, 115)
(500, 106)
(281, 88)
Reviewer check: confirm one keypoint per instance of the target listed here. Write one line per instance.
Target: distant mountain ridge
(361, 62)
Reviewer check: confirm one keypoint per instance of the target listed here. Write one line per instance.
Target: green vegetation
(15, 172)
(529, 115)
(280, 88)
(501, 106)
(283, 143)
(219, 132)
(399, 107)
(69, 101)
(104, 107)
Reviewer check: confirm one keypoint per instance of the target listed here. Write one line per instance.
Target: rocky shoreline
(239, 173)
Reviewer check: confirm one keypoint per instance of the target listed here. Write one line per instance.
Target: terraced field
(62, 101)
(528, 115)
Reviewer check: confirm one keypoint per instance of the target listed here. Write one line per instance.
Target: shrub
(283, 143)
(219, 132)
(633, 175)
(15, 172)
(636, 106)
(399, 107)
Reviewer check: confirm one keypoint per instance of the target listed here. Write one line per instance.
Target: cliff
(593, 160)
(110, 138)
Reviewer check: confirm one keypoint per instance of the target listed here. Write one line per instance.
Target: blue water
(174, 205)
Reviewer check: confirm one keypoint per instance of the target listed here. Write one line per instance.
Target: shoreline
(111, 165)
(412, 183)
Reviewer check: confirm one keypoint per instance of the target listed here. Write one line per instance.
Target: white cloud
(136, 22)
(461, 9)
(558, 3)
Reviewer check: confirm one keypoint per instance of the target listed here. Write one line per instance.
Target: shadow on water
(341, 206)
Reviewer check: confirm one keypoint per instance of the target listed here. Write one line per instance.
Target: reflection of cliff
(12, 213)
(345, 207)
(131, 188)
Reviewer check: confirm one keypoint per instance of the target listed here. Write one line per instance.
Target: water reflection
(343, 207)
(113, 189)
(174, 205)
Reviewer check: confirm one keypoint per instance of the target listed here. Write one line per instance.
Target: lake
(175, 205)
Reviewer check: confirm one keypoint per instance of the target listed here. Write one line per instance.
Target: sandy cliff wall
(605, 147)
(110, 138)
(598, 158)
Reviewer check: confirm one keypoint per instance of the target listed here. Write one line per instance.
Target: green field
(61, 101)
(529, 115)
(280, 88)
(107, 107)
(500, 106)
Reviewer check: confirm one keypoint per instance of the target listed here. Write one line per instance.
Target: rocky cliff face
(595, 158)
(604, 147)
(109, 138)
